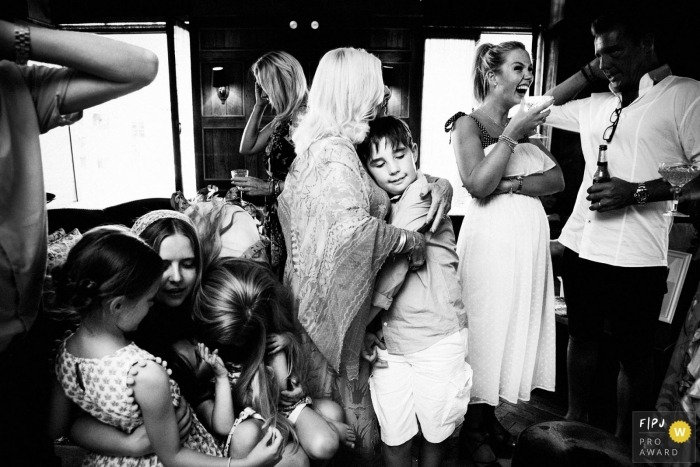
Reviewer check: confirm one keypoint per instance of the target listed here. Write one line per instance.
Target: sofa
(84, 219)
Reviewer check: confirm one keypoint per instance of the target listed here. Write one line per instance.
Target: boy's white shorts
(431, 386)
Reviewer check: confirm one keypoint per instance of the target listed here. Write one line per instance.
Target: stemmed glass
(239, 173)
(677, 174)
(529, 102)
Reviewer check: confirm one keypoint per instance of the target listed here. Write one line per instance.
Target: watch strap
(23, 44)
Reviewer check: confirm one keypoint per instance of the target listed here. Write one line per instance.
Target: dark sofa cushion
(127, 213)
(81, 219)
(85, 219)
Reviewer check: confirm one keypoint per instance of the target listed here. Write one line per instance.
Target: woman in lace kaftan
(332, 214)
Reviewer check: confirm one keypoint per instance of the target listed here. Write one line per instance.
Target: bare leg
(581, 362)
(247, 436)
(431, 454)
(634, 382)
(319, 438)
(397, 456)
(334, 414)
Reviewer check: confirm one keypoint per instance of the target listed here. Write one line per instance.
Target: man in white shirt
(617, 236)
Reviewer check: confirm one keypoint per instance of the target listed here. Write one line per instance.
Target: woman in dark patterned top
(279, 81)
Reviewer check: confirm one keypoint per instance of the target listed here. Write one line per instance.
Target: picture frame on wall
(678, 263)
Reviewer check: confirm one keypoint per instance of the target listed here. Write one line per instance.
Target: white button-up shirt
(661, 125)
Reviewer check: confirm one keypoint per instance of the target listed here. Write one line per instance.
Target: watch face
(641, 194)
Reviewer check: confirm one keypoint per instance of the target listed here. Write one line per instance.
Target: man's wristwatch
(641, 194)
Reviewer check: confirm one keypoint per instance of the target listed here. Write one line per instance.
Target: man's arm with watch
(618, 193)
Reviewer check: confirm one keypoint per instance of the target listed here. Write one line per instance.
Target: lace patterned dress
(279, 155)
(98, 386)
(508, 291)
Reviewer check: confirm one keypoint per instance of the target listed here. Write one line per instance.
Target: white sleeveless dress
(508, 291)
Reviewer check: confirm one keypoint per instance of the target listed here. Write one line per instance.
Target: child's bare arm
(61, 411)
(220, 413)
(93, 435)
(278, 362)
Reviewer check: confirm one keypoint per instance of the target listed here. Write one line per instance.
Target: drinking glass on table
(239, 173)
(530, 101)
(677, 174)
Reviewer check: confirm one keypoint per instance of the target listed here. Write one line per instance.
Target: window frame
(166, 27)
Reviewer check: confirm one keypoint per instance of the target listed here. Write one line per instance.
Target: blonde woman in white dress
(503, 245)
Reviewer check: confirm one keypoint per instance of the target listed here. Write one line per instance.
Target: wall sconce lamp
(220, 82)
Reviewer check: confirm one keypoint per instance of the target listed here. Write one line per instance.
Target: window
(119, 151)
(447, 89)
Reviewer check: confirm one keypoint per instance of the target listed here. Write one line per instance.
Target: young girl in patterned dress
(110, 279)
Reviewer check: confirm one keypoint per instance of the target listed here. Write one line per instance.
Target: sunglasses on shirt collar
(614, 119)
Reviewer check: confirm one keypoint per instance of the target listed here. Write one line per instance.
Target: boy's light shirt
(419, 307)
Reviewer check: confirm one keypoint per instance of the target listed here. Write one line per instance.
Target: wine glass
(239, 173)
(677, 174)
(529, 102)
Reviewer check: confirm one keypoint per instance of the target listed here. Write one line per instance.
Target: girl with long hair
(167, 332)
(240, 307)
(110, 280)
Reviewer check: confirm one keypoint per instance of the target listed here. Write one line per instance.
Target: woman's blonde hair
(345, 94)
(490, 57)
(282, 77)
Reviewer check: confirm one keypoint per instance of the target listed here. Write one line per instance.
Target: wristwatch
(641, 194)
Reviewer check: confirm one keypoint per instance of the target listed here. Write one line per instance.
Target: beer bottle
(601, 174)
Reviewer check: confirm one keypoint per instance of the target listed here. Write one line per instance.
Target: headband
(144, 221)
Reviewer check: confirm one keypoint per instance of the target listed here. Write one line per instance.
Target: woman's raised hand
(525, 121)
(261, 98)
(269, 450)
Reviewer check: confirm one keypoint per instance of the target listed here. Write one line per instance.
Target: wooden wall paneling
(397, 49)
(221, 127)
(397, 77)
(219, 159)
(211, 104)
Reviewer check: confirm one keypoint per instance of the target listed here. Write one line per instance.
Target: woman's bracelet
(401, 244)
(507, 140)
(274, 188)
